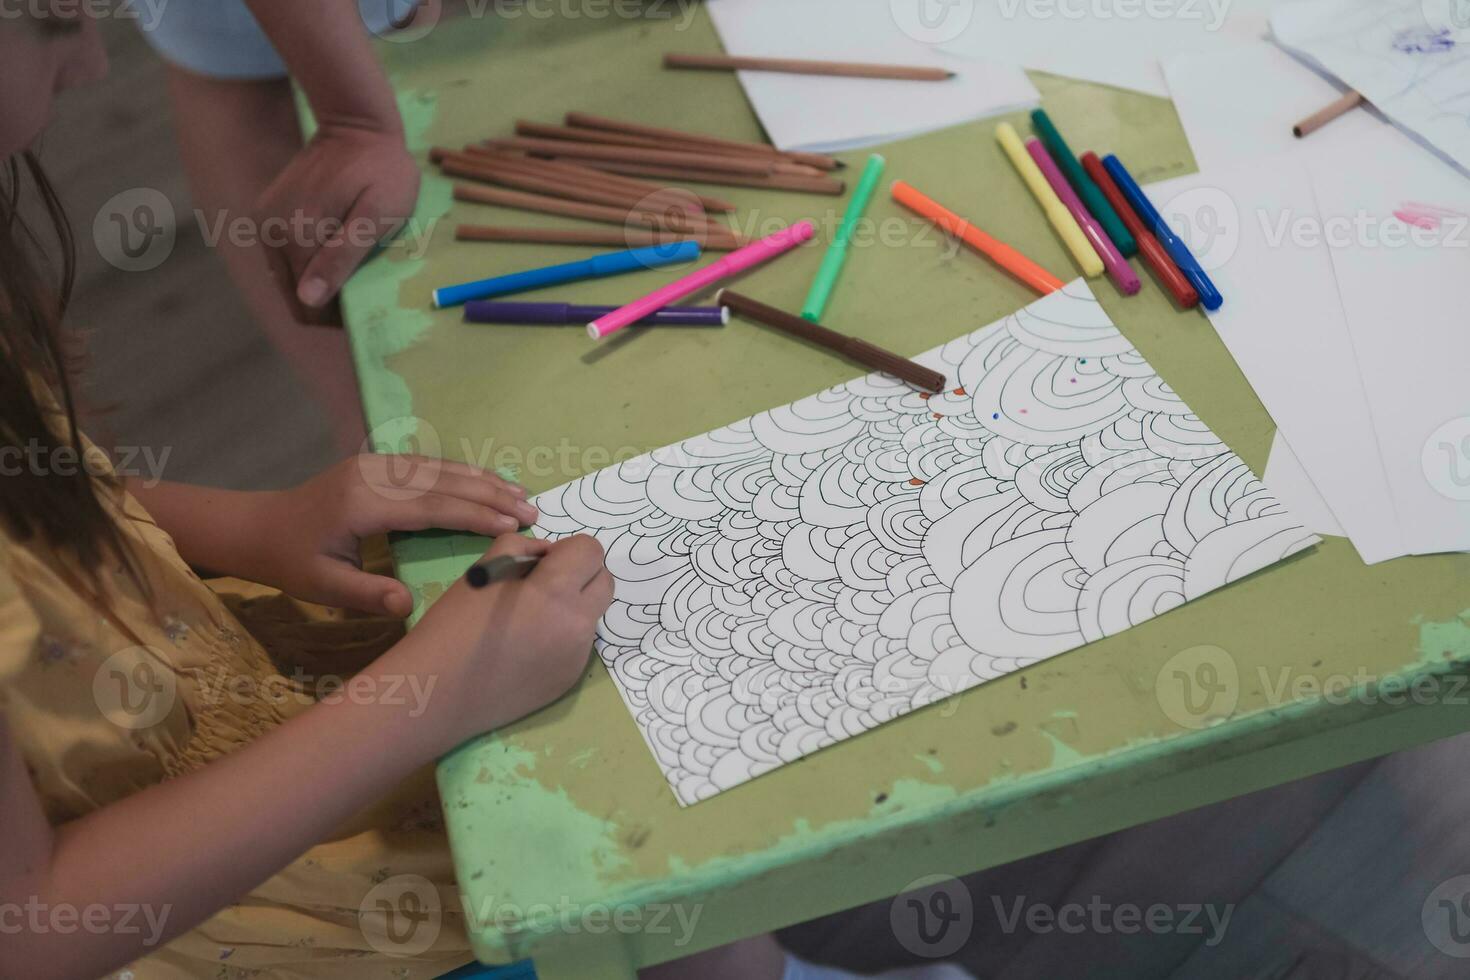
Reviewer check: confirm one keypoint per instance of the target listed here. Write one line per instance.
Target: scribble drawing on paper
(1409, 58)
(811, 572)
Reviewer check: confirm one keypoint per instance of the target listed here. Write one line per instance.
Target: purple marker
(1117, 267)
(485, 311)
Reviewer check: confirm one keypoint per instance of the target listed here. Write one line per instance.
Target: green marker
(1091, 194)
(816, 300)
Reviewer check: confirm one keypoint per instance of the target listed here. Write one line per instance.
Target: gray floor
(177, 364)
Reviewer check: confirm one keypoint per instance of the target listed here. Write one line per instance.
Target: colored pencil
(492, 172)
(592, 176)
(561, 314)
(607, 264)
(625, 237)
(1209, 296)
(637, 154)
(586, 120)
(751, 255)
(804, 66)
(542, 204)
(1348, 101)
(1149, 248)
(1056, 212)
(774, 182)
(866, 354)
(832, 262)
(1118, 269)
(1089, 193)
(1003, 255)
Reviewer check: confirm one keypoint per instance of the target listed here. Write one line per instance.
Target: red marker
(1153, 253)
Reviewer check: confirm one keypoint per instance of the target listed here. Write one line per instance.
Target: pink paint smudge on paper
(1426, 216)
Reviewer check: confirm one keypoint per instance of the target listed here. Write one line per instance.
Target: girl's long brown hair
(61, 505)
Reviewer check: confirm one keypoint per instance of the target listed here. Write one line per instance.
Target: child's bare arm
(183, 849)
(304, 541)
(356, 169)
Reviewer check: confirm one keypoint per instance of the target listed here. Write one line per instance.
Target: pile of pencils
(625, 174)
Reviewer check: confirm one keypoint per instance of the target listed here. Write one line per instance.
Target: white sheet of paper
(1288, 479)
(1239, 105)
(1283, 322)
(1112, 42)
(1406, 291)
(825, 114)
(802, 576)
(1410, 58)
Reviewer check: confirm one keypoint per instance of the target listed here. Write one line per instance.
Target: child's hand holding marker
(504, 650)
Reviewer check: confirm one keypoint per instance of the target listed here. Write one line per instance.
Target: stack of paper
(1111, 42)
(1409, 58)
(828, 115)
(1343, 258)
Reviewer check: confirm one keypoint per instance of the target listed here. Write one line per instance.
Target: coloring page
(806, 574)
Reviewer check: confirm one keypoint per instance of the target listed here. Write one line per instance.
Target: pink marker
(737, 261)
(1117, 267)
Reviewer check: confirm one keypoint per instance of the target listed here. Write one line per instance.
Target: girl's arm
(304, 541)
(181, 850)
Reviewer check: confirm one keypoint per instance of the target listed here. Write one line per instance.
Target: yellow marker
(1056, 212)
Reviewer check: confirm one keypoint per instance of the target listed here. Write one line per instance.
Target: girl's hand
(499, 653)
(311, 534)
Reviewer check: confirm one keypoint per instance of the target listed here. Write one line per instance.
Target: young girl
(175, 802)
(155, 764)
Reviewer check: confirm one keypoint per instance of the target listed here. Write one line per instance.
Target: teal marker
(816, 300)
(1092, 195)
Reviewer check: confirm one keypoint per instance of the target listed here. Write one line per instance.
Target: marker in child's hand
(502, 568)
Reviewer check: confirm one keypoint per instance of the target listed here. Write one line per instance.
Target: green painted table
(569, 844)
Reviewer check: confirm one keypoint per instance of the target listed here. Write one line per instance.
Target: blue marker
(608, 264)
(1209, 296)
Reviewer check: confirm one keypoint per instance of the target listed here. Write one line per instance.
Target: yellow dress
(107, 702)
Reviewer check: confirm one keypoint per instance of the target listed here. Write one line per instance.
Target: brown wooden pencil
(597, 177)
(804, 66)
(636, 154)
(543, 204)
(587, 120)
(866, 354)
(1348, 101)
(775, 182)
(535, 130)
(557, 185)
(628, 237)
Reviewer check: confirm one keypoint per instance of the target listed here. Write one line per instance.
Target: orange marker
(998, 252)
